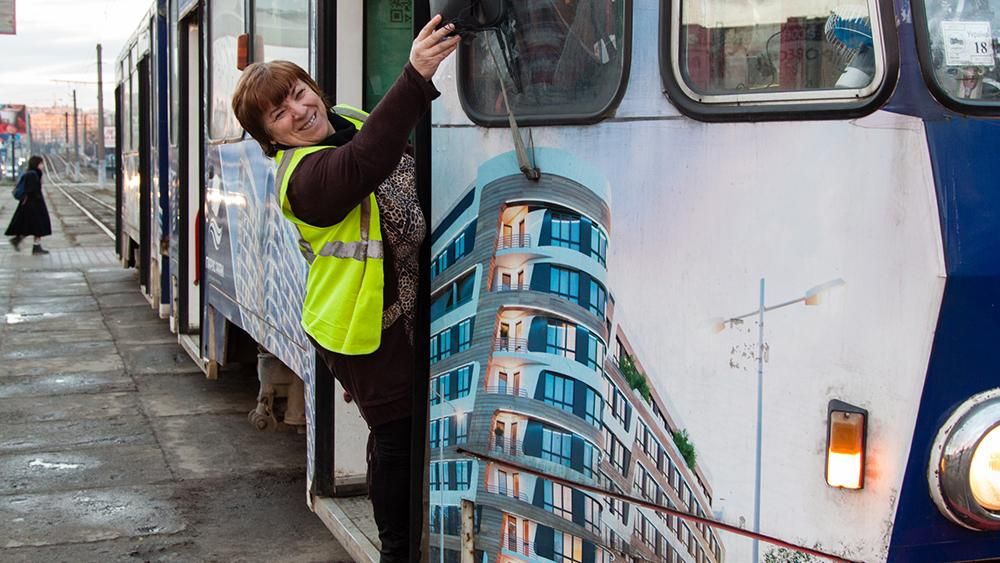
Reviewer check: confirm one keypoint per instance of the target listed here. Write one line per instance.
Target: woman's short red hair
(263, 86)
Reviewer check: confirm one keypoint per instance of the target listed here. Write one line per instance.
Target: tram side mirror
(470, 16)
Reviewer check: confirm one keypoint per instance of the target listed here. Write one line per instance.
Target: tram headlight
(964, 469)
(984, 472)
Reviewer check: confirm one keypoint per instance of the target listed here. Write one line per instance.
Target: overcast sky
(57, 40)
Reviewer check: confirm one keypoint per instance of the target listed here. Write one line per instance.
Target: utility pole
(66, 145)
(100, 122)
(83, 139)
(76, 141)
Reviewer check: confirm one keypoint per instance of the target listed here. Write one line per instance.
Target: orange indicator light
(845, 452)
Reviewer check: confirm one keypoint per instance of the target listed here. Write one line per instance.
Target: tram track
(57, 181)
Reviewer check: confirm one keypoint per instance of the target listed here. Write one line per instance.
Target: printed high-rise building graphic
(529, 365)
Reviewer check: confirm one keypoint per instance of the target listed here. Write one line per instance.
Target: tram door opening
(192, 187)
(145, 175)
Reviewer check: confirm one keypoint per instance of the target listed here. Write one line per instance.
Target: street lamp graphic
(813, 296)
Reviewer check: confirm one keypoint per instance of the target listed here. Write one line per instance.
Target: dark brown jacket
(323, 189)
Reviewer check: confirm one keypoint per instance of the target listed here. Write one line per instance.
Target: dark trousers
(390, 488)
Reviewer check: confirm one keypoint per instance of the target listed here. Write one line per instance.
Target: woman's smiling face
(300, 120)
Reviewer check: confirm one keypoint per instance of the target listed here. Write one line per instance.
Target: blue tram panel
(783, 325)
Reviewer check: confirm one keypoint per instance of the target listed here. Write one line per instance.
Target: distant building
(49, 125)
(521, 320)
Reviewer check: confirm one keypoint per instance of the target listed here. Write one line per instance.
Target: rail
(510, 287)
(508, 344)
(514, 241)
(505, 491)
(509, 446)
(512, 544)
(507, 390)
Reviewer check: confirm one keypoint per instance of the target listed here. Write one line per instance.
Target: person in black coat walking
(31, 218)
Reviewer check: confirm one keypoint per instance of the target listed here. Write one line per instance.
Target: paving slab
(189, 394)
(48, 321)
(113, 287)
(81, 468)
(95, 362)
(150, 331)
(131, 315)
(102, 275)
(53, 384)
(40, 288)
(144, 358)
(126, 299)
(85, 516)
(199, 446)
(15, 339)
(82, 433)
(34, 305)
(67, 407)
(46, 348)
(236, 510)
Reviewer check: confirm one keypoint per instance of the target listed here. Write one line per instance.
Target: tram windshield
(754, 46)
(557, 59)
(964, 41)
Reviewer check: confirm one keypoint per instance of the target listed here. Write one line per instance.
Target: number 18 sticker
(967, 43)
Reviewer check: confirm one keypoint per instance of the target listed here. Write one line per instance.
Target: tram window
(559, 61)
(135, 108)
(737, 51)
(175, 98)
(963, 38)
(126, 100)
(225, 26)
(281, 31)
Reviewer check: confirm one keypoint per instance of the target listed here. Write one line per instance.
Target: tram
(732, 258)
(197, 212)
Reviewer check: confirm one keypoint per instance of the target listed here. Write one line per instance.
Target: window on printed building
(461, 429)
(565, 283)
(464, 380)
(594, 408)
(567, 548)
(558, 61)
(566, 230)
(556, 446)
(445, 343)
(558, 391)
(557, 499)
(463, 471)
(733, 52)
(560, 339)
(464, 335)
(964, 43)
(434, 483)
(592, 514)
(595, 352)
(599, 245)
(459, 246)
(454, 295)
(598, 299)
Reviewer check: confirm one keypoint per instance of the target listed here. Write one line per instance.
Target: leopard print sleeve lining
(404, 229)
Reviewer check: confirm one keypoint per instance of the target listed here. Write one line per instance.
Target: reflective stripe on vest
(342, 309)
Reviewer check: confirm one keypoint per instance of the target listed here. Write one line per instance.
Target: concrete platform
(113, 445)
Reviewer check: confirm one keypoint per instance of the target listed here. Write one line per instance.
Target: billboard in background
(13, 119)
(8, 22)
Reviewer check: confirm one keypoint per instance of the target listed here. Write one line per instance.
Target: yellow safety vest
(343, 306)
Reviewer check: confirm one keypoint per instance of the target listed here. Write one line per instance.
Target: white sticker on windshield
(967, 43)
